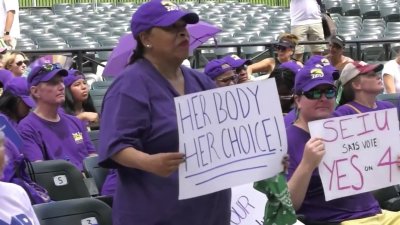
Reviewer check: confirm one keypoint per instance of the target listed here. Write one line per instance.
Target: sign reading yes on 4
(230, 136)
(361, 152)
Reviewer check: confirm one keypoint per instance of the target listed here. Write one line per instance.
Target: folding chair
(74, 211)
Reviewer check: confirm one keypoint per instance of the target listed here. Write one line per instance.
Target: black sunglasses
(233, 78)
(19, 63)
(317, 93)
(239, 69)
(280, 48)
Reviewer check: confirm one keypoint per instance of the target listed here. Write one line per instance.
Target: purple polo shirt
(66, 139)
(314, 206)
(347, 110)
(139, 112)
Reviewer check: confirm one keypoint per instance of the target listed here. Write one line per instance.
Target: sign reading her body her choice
(361, 152)
(230, 136)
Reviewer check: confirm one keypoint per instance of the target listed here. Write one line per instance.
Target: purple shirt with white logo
(314, 206)
(66, 139)
(139, 112)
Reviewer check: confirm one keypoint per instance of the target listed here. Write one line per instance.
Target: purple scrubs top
(314, 206)
(139, 112)
(66, 139)
(347, 110)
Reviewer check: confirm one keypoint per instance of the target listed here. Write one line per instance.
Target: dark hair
(9, 105)
(283, 76)
(69, 105)
(348, 94)
(138, 52)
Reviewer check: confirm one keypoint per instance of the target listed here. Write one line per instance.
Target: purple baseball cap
(44, 73)
(291, 65)
(73, 75)
(309, 77)
(5, 76)
(321, 61)
(19, 87)
(216, 67)
(158, 13)
(235, 61)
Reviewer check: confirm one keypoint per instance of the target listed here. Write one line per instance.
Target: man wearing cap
(240, 67)
(221, 72)
(336, 50)
(361, 84)
(306, 23)
(139, 130)
(48, 134)
(391, 75)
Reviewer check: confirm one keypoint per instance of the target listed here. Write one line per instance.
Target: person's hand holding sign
(164, 164)
(314, 150)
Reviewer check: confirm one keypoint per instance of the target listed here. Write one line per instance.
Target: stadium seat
(60, 178)
(101, 84)
(92, 169)
(83, 211)
(388, 198)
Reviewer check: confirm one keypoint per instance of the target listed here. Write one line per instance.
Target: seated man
(221, 72)
(315, 99)
(48, 133)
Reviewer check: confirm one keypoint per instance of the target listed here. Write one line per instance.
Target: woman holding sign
(139, 133)
(315, 98)
(361, 84)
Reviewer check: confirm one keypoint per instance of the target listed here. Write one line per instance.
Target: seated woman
(15, 102)
(16, 62)
(48, 134)
(240, 67)
(77, 98)
(391, 75)
(285, 50)
(221, 72)
(15, 203)
(361, 84)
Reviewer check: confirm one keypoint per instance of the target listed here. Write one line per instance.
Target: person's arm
(298, 184)
(8, 25)
(388, 81)
(266, 65)
(88, 116)
(161, 164)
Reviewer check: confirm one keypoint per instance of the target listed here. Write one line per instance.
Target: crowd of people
(52, 111)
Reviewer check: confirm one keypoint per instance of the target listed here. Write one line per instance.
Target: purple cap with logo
(73, 75)
(5, 76)
(18, 86)
(321, 61)
(44, 73)
(235, 61)
(291, 65)
(310, 77)
(216, 67)
(159, 13)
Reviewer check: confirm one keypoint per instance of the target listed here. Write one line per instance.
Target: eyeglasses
(280, 48)
(233, 78)
(19, 63)
(317, 93)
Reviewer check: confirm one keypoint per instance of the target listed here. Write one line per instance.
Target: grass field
(49, 3)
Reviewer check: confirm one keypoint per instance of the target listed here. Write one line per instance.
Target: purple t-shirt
(344, 110)
(66, 139)
(314, 206)
(290, 117)
(139, 112)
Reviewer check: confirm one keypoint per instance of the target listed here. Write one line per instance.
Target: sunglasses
(233, 78)
(239, 69)
(317, 93)
(280, 48)
(19, 63)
